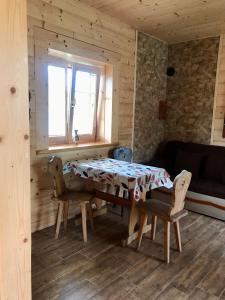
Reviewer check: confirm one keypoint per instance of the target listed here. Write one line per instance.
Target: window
(73, 101)
(76, 87)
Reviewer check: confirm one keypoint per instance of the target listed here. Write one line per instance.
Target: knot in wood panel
(12, 90)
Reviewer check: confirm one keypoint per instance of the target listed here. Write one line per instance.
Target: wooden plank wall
(71, 18)
(219, 100)
(15, 235)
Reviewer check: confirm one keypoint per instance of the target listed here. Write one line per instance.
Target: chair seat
(161, 209)
(76, 196)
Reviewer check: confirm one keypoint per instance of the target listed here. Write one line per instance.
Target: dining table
(134, 178)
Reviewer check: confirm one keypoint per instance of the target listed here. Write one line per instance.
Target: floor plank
(118, 289)
(172, 293)
(214, 281)
(68, 269)
(199, 294)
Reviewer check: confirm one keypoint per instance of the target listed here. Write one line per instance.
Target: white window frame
(70, 106)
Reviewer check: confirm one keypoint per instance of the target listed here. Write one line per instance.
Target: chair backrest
(180, 187)
(123, 154)
(55, 168)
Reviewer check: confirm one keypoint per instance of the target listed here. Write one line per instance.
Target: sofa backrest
(204, 161)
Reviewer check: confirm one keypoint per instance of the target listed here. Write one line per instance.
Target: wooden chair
(169, 212)
(64, 196)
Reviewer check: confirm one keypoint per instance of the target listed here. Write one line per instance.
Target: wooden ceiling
(170, 20)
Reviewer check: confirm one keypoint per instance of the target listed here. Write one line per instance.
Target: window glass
(85, 95)
(56, 101)
(69, 76)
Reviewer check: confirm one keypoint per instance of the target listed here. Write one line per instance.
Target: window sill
(65, 148)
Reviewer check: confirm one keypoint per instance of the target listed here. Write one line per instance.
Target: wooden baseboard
(198, 201)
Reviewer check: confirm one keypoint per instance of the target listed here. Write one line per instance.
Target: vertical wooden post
(15, 236)
(223, 127)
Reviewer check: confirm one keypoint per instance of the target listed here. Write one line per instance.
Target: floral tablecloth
(128, 176)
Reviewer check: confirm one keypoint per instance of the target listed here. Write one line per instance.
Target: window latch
(73, 103)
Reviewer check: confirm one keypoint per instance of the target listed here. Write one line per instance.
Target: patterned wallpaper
(190, 92)
(150, 89)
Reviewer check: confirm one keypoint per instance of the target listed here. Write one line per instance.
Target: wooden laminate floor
(102, 269)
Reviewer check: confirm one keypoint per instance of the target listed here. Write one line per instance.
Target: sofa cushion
(208, 187)
(188, 161)
(214, 168)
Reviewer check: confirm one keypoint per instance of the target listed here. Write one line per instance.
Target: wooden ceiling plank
(168, 18)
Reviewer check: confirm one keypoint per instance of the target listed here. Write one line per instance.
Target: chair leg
(66, 212)
(143, 221)
(177, 235)
(59, 218)
(91, 217)
(84, 220)
(122, 211)
(153, 229)
(167, 241)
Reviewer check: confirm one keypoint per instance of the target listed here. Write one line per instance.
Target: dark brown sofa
(206, 162)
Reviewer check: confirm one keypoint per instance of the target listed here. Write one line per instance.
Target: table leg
(133, 220)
